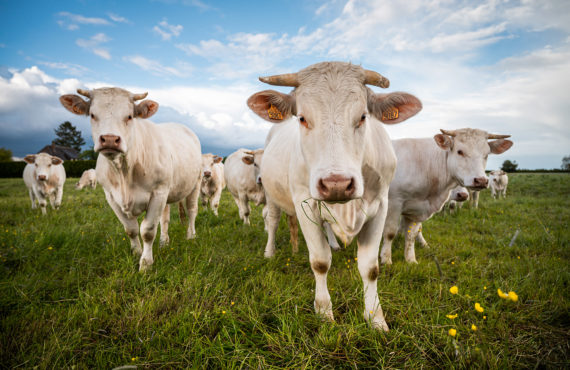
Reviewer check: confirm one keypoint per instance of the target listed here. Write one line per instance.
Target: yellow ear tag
(389, 115)
(274, 113)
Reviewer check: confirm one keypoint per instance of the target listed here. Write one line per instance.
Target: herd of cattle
(328, 163)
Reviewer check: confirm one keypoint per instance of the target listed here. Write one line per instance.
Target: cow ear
(146, 108)
(394, 107)
(75, 104)
(443, 141)
(30, 158)
(56, 160)
(247, 160)
(218, 159)
(272, 105)
(500, 146)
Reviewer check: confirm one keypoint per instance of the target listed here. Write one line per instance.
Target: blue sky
(502, 66)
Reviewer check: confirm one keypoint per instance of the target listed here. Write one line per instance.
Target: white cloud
(181, 70)
(117, 18)
(72, 21)
(69, 68)
(166, 31)
(93, 45)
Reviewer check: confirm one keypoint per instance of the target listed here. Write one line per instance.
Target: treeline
(72, 168)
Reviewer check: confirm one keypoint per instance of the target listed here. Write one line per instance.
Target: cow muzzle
(207, 174)
(336, 188)
(42, 177)
(461, 197)
(480, 183)
(110, 144)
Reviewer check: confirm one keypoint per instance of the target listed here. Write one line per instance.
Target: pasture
(71, 293)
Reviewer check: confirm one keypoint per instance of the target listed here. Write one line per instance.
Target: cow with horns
(328, 159)
(143, 167)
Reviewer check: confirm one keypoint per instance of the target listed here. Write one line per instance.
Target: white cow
(241, 171)
(88, 178)
(44, 176)
(427, 171)
(213, 181)
(329, 159)
(143, 167)
(498, 181)
(457, 197)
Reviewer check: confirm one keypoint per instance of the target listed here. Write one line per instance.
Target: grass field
(71, 295)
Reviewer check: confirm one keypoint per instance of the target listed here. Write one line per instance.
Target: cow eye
(303, 121)
(92, 116)
(130, 117)
(460, 152)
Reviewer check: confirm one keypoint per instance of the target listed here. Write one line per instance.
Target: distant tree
(88, 154)
(68, 135)
(566, 163)
(509, 166)
(5, 155)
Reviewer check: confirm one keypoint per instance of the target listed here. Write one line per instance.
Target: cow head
(208, 161)
(42, 165)
(253, 157)
(333, 107)
(459, 194)
(113, 115)
(467, 154)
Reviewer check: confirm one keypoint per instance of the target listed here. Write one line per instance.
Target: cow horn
(85, 93)
(376, 79)
(286, 79)
(249, 152)
(451, 133)
(495, 136)
(139, 96)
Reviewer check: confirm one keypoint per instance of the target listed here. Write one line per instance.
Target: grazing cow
(143, 167)
(44, 176)
(213, 181)
(88, 178)
(427, 171)
(329, 160)
(241, 172)
(458, 195)
(498, 181)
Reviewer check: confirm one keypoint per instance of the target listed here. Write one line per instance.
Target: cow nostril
(350, 188)
(118, 140)
(323, 189)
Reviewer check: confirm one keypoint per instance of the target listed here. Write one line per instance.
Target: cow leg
(192, 206)
(412, 229)
(93, 184)
(32, 198)
(155, 208)
(333, 243)
(475, 199)
(493, 193)
(294, 232)
(58, 197)
(368, 246)
(320, 256)
(215, 200)
(130, 224)
(264, 212)
(42, 202)
(272, 223)
(390, 231)
(244, 209)
(420, 237)
(164, 223)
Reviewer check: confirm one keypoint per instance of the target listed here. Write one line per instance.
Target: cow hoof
(269, 254)
(377, 321)
(326, 315)
(386, 261)
(145, 265)
(137, 252)
(190, 236)
(164, 241)
(412, 261)
(335, 247)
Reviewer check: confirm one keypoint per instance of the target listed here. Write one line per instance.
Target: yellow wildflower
(478, 307)
(513, 296)
(453, 262)
(454, 289)
(484, 317)
(223, 312)
(473, 327)
(50, 248)
(452, 332)
(501, 294)
(451, 316)
(233, 303)
(484, 288)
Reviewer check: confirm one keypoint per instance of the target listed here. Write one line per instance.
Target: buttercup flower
(452, 332)
(454, 290)
(451, 316)
(478, 307)
(513, 296)
(473, 327)
(501, 294)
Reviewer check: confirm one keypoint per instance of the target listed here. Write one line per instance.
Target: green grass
(71, 295)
